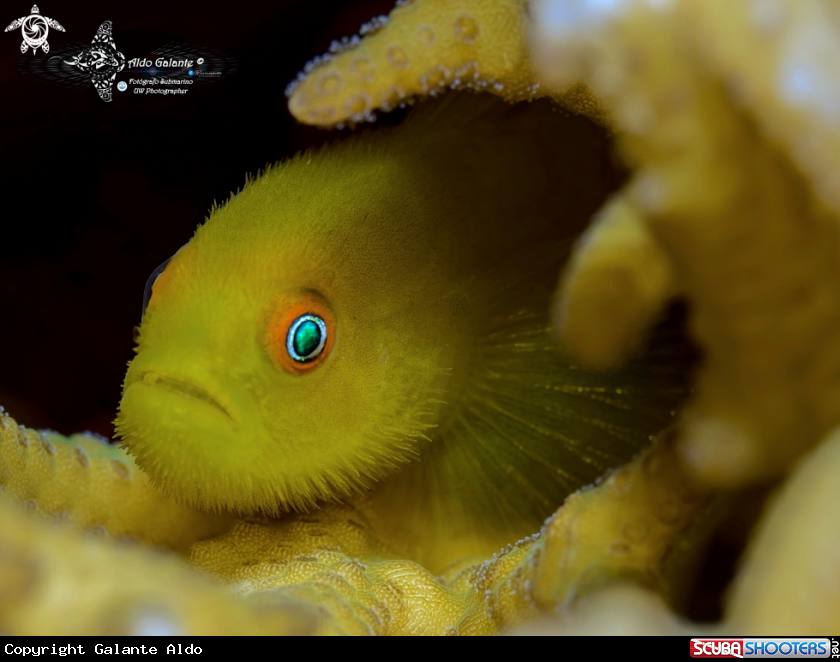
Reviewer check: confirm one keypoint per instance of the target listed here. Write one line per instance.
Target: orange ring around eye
(285, 311)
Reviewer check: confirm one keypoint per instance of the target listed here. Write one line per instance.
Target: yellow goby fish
(370, 320)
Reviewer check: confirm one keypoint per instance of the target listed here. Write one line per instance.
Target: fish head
(296, 349)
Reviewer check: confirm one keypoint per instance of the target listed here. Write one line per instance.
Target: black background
(96, 195)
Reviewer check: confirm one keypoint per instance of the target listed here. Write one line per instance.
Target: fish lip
(184, 388)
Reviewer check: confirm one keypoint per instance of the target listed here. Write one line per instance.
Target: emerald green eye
(300, 331)
(307, 338)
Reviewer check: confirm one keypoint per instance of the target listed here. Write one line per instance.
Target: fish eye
(307, 338)
(300, 331)
(150, 283)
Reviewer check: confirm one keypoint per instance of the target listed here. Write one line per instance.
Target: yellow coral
(622, 528)
(55, 582)
(717, 208)
(95, 486)
(331, 572)
(728, 210)
(424, 48)
(788, 583)
(728, 116)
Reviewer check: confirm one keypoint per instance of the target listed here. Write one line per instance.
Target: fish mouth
(185, 389)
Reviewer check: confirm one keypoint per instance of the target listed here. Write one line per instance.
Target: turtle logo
(35, 29)
(102, 60)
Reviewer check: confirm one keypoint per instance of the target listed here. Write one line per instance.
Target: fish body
(370, 321)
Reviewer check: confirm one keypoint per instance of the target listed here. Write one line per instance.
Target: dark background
(96, 195)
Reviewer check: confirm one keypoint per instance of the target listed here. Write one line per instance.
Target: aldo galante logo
(35, 29)
(171, 69)
(102, 61)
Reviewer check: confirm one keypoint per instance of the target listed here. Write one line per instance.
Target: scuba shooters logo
(744, 647)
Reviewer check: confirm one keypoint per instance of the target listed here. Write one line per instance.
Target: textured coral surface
(748, 235)
(425, 48)
(724, 113)
(333, 559)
